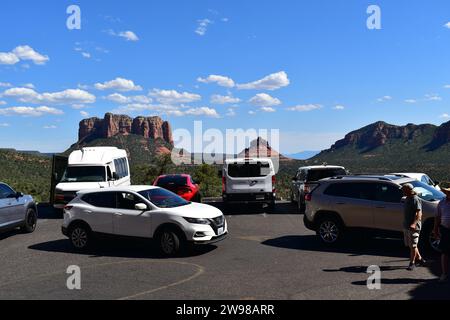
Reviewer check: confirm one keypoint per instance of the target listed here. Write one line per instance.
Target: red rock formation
(112, 125)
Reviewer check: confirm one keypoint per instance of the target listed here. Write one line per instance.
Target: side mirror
(141, 206)
(19, 195)
(436, 183)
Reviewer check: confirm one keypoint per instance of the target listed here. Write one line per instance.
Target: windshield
(163, 198)
(84, 174)
(316, 175)
(427, 193)
(249, 170)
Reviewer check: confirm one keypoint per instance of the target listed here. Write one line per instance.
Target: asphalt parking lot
(266, 256)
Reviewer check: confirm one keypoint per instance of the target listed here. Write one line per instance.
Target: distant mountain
(304, 155)
(381, 148)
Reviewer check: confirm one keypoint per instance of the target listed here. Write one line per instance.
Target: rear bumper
(308, 224)
(267, 197)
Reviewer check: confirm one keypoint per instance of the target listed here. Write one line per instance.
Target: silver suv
(16, 210)
(338, 205)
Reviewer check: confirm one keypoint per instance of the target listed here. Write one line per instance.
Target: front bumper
(65, 231)
(213, 240)
(308, 224)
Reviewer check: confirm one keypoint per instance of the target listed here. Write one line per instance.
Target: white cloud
(50, 127)
(4, 125)
(23, 53)
(267, 109)
(86, 55)
(339, 107)
(445, 116)
(173, 96)
(69, 96)
(202, 26)
(129, 35)
(84, 114)
(8, 58)
(447, 25)
(202, 111)
(384, 99)
(225, 19)
(447, 86)
(411, 101)
(2, 103)
(219, 99)
(264, 100)
(121, 99)
(231, 112)
(29, 85)
(271, 82)
(305, 107)
(220, 80)
(251, 112)
(30, 111)
(119, 84)
(433, 97)
(5, 84)
(78, 106)
(167, 109)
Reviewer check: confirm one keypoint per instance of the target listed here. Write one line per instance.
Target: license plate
(220, 231)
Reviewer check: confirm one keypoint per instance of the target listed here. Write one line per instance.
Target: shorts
(444, 244)
(411, 238)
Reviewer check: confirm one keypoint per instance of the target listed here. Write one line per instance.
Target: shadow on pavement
(124, 248)
(432, 290)
(354, 247)
(249, 209)
(46, 211)
(10, 233)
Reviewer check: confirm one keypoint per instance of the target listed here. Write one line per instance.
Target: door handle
(87, 211)
(118, 214)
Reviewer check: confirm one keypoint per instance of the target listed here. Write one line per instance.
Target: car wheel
(428, 242)
(169, 242)
(80, 237)
(30, 221)
(329, 230)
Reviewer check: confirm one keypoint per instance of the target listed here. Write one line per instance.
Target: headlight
(197, 220)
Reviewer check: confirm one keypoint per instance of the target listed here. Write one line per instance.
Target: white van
(92, 168)
(249, 181)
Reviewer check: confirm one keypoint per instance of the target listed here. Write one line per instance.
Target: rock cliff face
(112, 125)
(378, 133)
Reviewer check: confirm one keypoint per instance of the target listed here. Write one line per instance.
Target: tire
(271, 207)
(170, 242)
(330, 230)
(30, 221)
(428, 243)
(80, 236)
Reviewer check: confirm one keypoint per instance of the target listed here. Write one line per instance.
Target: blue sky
(274, 64)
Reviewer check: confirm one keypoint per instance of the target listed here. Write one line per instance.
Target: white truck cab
(92, 168)
(249, 180)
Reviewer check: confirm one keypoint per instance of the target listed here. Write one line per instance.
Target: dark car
(181, 184)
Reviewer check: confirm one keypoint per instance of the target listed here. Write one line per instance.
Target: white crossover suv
(142, 212)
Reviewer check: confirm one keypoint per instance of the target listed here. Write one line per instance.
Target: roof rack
(361, 176)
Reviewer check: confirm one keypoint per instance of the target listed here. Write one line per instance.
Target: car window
(5, 191)
(249, 170)
(363, 191)
(127, 201)
(387, 193)
(172, 181)
(163, 198)
(424, 179)
(101, 199)
(426, 192)
(302, 175)
(84, 174)
(319, 174)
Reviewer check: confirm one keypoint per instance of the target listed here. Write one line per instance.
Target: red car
(181, 184)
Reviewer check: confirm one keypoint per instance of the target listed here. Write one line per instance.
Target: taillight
(68, 208)
(59, 197)
(308, 197)
(224, 185)
(183, 191)
(274, 181)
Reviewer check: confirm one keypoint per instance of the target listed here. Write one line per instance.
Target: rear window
(316, 175)
(172, 180)
(249, 170)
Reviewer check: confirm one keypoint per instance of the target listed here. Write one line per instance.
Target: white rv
(91, 168)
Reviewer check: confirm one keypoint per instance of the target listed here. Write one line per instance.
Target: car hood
(195, 210)
(78, 186)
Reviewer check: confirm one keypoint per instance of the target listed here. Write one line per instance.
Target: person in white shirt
(442, 232)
